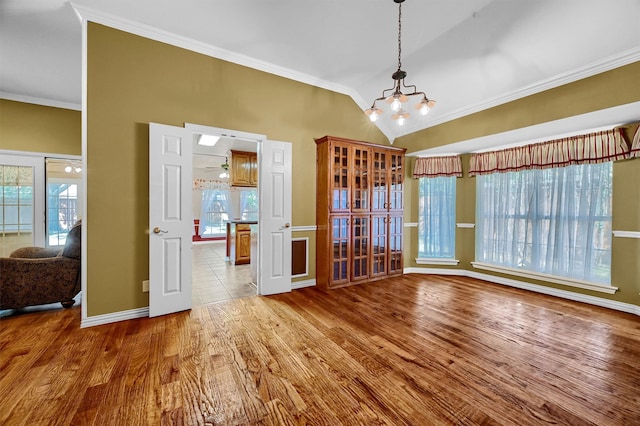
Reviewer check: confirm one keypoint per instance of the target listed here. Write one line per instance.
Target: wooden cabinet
(359, 211)
(239, 242)
(244, 169)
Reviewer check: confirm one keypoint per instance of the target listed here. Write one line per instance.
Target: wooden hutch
(359, 211)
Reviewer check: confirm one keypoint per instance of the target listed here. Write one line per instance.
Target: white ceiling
(468, 55)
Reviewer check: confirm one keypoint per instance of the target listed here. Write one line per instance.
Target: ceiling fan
(225, 166)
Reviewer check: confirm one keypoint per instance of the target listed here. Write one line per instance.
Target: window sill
(546, 277)
(436, 261)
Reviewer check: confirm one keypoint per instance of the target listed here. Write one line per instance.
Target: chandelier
(397, 98)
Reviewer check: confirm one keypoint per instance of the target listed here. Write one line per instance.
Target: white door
(274, 225)
(170, 219)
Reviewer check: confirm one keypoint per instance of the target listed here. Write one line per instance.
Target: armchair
(37, 276)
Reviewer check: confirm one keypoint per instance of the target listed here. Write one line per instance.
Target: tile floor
(214, 279)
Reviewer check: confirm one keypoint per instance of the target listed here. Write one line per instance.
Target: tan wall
(37, 128)
(617, 87)
(133, 81)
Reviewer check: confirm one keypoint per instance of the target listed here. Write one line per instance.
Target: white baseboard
(564, 294)
(144, 312)
(114, 317)
(302, 284)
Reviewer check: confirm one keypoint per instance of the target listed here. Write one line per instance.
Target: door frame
(197, 129)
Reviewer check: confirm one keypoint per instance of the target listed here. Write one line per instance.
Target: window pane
(553, 221)
(436, 217)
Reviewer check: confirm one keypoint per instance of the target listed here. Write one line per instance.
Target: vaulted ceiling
(468, 55)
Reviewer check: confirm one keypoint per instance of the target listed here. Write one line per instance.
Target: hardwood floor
(413, 350)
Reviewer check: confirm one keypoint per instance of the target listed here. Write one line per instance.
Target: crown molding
(89, 14)
(607, 64)
(40, 101)
(153, 33)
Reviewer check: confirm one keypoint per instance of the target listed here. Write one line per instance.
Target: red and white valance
(591, 148)
(635, 145)
(437, 166)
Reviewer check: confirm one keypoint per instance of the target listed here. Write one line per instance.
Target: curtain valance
(591, 148)
(210, 184)
(635, 145)
(437, 166)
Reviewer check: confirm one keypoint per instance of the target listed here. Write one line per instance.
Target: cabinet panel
(395, 244)
(360, 170)
(380, 184)
(396, 187)
(340, 265)
(244, 168)
(360, 247)
(379, 246)
(340, 187)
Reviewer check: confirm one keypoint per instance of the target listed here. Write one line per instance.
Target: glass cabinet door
(378, 245)
(395, 244)
(360, 248)
(379, 184)
(340, 249)
(340, 178)
(361, 173)
(397, 182)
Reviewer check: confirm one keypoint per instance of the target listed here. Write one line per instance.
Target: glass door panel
(395, 244)
(360, 170)
(397, 183)
(340, 249)
(378, 245)
(340, 182)
(360, 248)
(379, 183)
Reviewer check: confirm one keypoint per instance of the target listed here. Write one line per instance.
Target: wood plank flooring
(414, 350)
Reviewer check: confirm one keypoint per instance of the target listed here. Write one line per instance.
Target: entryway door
(171, 218)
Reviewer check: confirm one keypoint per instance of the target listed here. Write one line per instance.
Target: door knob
(287, 225)
(157, 230)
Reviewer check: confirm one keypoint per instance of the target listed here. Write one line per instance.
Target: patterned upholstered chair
(36, 276)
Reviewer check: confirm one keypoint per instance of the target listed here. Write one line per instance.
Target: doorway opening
(216, 203)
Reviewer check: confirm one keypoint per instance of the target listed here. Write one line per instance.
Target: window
(64, 206)
(249, 204)
(214, 213)
(554, 221)
(21, 202)
(437, 217)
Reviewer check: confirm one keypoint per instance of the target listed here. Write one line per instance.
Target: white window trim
(436, 261)
(626, 234)
(546, 277)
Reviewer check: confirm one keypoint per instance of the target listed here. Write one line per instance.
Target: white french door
(274, 224)
(170, 219)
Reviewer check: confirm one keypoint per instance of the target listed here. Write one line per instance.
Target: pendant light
(397, 98)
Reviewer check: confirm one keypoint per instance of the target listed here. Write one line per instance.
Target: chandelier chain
(399, 35)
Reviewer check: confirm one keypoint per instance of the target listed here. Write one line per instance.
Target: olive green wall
(37, 128)
(132, 81)
(616, 87)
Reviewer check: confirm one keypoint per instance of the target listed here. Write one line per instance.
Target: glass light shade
(373, 113)
(67, 169)
(396, 104)
(424, 108)
(400, 117)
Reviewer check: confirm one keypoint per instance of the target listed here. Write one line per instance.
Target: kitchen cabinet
(359, 211)
(244, 169)
(239, 235)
